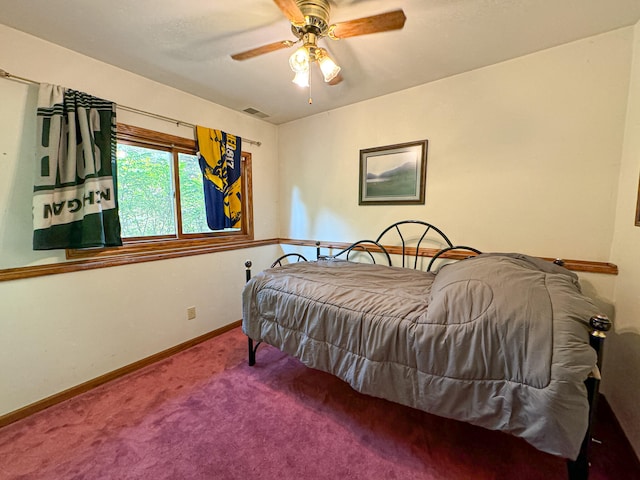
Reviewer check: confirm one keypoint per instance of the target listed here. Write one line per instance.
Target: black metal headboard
(400, 241)
(411, 234)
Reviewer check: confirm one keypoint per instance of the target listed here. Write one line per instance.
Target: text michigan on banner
(74, 195)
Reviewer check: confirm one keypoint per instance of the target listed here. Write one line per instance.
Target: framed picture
(638, 207)
(393, 175)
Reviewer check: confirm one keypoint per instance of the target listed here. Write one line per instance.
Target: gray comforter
(499, 340)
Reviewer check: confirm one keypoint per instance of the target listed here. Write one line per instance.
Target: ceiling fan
(310, 23)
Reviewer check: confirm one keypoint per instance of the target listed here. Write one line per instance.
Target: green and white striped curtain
(74, 195)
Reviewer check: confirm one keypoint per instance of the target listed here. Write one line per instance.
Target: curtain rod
(5, 74)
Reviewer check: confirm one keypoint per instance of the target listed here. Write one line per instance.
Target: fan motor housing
(316, 16)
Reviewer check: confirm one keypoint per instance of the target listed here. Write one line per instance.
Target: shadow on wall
(620, 369)
(16, 227)
(312, 221)
(604, 305)
(621, 381)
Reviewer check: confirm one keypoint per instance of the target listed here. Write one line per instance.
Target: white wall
(622, 374)
(523, 156)
(59, 331)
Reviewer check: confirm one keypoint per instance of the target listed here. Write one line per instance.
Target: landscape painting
(394, 174)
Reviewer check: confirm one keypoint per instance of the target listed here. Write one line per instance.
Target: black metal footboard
(252, 349)
(578, 469)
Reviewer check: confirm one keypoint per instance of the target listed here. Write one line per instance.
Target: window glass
(194, 216)
(145, 192)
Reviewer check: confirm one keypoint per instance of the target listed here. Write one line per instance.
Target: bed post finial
(318, 250)
(247, 266)
(601, 323)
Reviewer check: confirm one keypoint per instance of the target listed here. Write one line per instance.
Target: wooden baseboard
(107, 377)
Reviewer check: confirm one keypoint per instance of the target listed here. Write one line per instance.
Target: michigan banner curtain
(74, 193)
(219, 155)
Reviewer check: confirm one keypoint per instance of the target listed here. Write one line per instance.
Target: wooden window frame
(188, 243)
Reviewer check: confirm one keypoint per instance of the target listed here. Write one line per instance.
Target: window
(160, 196)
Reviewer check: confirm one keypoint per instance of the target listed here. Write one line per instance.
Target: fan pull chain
(310, 99)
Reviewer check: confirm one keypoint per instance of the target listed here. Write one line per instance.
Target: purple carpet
(204, 414)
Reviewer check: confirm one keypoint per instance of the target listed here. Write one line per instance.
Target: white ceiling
(186, 44)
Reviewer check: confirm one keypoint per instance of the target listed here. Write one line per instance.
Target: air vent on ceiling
(256, 113)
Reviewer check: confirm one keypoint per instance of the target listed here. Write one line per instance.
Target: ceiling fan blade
(291, 11)
(362, 26)
(271, 47)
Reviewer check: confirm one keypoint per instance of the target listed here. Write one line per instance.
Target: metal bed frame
(577, 469)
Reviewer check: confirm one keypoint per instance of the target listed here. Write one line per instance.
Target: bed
(504, 341)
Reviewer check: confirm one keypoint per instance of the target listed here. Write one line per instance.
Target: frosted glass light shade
(329, 68)
(302, 78)
(299, 60)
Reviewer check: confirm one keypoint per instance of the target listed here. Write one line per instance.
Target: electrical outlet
(191, 313)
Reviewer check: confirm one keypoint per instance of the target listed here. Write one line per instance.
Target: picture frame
(637, 219)
(393, 174)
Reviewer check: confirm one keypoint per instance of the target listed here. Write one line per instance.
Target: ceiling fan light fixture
(329, 68)
(302, 78)
(310, 23)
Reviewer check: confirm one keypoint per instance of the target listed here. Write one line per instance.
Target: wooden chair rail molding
(576, 265)
(150, 256)
(102, 261)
